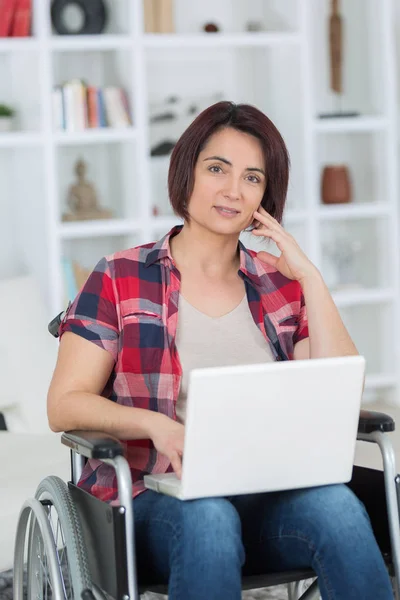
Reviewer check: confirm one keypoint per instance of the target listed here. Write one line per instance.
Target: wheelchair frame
(106, 533)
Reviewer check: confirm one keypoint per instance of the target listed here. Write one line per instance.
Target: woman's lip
(226, 214)
(232, 210)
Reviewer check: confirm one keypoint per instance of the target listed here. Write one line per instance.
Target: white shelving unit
(283, 70)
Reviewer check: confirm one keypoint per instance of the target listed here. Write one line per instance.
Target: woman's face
(229, 182)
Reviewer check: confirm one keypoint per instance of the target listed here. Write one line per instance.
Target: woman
(199, 298)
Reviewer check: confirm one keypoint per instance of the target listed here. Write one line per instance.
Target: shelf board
(164, 223)
(95, 136)
(77, 43)
(351, 124)
(380, 381)
(353, 211)
(356, 297)
(98, 228)
(10, 44)
(20, 139)
(211, 40)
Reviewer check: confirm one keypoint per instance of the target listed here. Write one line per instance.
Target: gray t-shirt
(203, 341)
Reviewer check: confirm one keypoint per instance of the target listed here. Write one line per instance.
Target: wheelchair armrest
(92, 444)
(370, 421)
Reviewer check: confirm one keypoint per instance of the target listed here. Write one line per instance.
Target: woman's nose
(232, 188)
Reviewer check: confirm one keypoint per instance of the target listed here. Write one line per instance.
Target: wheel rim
(40, 586)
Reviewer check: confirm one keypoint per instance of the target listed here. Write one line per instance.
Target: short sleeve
(302, 327)
(93, 314)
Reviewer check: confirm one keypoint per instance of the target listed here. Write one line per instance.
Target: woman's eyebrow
(227, 162)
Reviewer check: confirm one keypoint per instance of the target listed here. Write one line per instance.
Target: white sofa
(29, 450)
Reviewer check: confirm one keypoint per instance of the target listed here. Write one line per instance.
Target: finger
(265, 217)
(265, 213)
(176, 463)
(268, 258)
(270, 233)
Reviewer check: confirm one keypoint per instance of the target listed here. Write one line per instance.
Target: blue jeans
(202, 546)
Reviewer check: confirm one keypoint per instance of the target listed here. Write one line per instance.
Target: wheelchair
(71, 545)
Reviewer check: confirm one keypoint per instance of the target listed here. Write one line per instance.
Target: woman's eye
(254, 179)
(216, 167)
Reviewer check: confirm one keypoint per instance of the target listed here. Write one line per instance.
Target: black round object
(93, 16)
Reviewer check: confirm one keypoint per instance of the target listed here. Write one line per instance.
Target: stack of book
(77, 106)
(15, 18)
(159, 16)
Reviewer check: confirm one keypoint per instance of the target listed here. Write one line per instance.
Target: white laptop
(267, 427)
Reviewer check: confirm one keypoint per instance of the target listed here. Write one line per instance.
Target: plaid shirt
(129, 307)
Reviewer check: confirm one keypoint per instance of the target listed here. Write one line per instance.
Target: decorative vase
(336, 184)
(6, 124)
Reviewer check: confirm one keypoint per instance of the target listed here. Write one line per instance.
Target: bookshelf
(283, 70)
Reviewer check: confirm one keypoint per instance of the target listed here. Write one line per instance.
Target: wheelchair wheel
(67, 540)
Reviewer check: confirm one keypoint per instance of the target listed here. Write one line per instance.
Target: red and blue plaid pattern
(129, 307)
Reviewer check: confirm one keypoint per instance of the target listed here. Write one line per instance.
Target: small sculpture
(82, 199)
(211, 28)
(342, 253)
(336, 62)
(336, 187)
(254, 26)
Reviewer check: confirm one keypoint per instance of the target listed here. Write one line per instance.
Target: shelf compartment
(369, 327)
(366, 157)
(109, 168)
(23, 235)
(80, 256)
(363, 60)
(357, 256)
(19, 72)
(272, 15)
(117, 23)
(97, 68)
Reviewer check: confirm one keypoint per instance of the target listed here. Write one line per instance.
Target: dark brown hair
(242, 117)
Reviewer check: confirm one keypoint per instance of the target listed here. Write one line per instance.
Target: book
(21, 22)
(7, 9)
(101, 108)
(165, 16)
(149, 14)
(93, 108)
(115, 110)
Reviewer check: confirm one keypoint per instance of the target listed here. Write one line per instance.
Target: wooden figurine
(82, 199)
(336, 44)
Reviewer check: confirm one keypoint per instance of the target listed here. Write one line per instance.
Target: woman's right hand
(168, 436)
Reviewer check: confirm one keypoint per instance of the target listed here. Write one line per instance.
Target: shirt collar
(162, 250)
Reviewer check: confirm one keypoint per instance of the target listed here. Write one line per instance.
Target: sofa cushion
(29, 354)
(30, 458)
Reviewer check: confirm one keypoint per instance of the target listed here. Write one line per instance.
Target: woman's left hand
(292, 262)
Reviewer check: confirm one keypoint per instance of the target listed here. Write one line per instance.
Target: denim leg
(326, 528)
(194, 545)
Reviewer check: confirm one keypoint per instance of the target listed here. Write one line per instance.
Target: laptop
(268, 427)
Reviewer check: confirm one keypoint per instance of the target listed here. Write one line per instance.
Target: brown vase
(335, 184)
